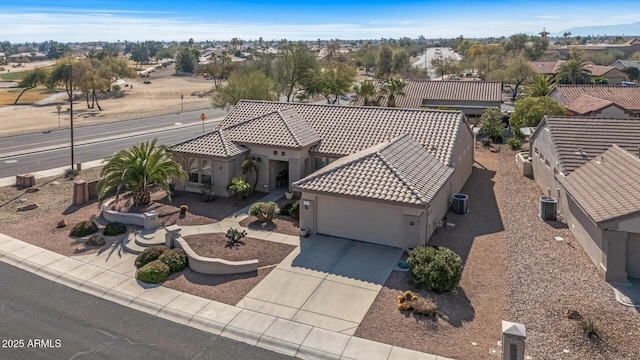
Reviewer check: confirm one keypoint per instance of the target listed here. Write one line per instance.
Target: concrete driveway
(326, 282)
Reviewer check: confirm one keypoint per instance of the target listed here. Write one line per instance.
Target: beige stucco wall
(438, 209)
(614, 112)
(543, 174)
(583, 228)
(462, 158)
(371, 221)
(296, 159)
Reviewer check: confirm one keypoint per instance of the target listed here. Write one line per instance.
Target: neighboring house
(472, 97)
(31, 56)
(562, 146)
(603, 203)
(389, 169)
(613, 75)
(624, 97)
(587, 105)
(624, 64)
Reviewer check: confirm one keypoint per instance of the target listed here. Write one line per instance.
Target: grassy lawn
(13, 76)
(7, 97)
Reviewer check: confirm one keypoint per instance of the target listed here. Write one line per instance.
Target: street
(45, 320)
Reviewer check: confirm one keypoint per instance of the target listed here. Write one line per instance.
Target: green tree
(187, 60)
(368, 93)
(515, 72)
(393, 87)
(529, 111)
(384, 64)
(366, 56)
(491, 124)
(632, 72)
(445, 66)
(140, 53)
(137, 170)
(252, 85)
(63, 72)
(331, 82)
(540, 86)
(239, 187)
(573, 71)
(292, 67)
(249, 166)
(33, 78)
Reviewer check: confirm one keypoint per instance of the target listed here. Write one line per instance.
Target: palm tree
(249, 165)
(35, 77)
(573, 71)
(137, 169)
(540, 86)
(393, 87)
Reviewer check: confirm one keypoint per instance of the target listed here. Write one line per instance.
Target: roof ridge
(400, 175)
(287, 125)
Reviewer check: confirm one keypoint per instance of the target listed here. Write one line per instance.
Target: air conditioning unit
(459, 205)
(548, 208)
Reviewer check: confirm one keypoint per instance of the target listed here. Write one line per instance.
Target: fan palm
(540, 86)
(136, 170)
(573, 71)
(393, 87)
(367, 92)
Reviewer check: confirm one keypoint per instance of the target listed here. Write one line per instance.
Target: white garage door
(360, 220)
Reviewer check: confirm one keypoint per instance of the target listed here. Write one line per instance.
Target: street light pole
(71, 111)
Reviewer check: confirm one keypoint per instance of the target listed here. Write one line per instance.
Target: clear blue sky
(97, 20)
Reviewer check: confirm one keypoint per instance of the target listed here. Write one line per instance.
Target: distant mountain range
(622, 29)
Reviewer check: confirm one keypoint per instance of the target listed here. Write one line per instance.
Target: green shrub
(84, 228)
(436, 267)
(183, 209)
(153, 272)
(294, 212)
(239, 187)
(264, 211)
(175, 259)
(95, 240)
(285, 209)
(149, 255)
(514, 143)
(234, 238)
(114, 228)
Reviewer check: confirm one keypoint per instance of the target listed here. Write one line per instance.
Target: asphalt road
(41, 151)
(45, 320)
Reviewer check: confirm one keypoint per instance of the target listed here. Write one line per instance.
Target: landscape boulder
(31, 206)
(95, 240)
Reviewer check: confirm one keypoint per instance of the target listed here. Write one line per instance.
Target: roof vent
(580, 152)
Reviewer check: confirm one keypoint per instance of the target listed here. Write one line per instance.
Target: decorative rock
(574, 315)
(21, 201)
(95, 240)
(62, 223)
(32, 190)
(28, 207)
(55, 182)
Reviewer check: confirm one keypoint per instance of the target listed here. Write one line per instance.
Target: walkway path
(111, 275)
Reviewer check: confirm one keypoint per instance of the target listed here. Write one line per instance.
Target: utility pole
(182, 103)
(71, 111)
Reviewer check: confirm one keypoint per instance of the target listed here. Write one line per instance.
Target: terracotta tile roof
(586, 104)
(345, 130)
(401, 170)
(607, 187)
(599, 70)
(214, 143)
(578, 140)
(417, 91)
(545, 67)
(627, 97)
(282, 128)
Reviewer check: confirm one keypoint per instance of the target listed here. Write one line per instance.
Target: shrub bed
(149, 255)
(84, 228)
(175, 259)
(153, 272)
(436, 267)
(114, 228)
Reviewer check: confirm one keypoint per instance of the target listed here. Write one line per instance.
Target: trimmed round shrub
(264, 211)
(84, 228)
(114, 228)
(95, 240)
(436, 267)
(149, 255)
(153, 272)
(514, 143)
(175, 259)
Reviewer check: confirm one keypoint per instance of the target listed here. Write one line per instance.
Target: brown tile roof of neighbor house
(578, 140)
(214, 143)
(400, 170)
(627, 97)
(345, 130)
(282, 128)
(607, 187)
(599, 70)
(586, 104)
(416, 91)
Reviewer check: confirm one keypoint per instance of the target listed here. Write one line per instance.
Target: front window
(193, 170)
(205, 174)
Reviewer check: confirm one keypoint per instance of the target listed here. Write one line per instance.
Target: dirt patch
(473, 312)
(214, 246)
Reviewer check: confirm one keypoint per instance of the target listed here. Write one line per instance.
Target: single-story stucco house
(383, 175)
(614, 101)
(591, 166)
(471, 97)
